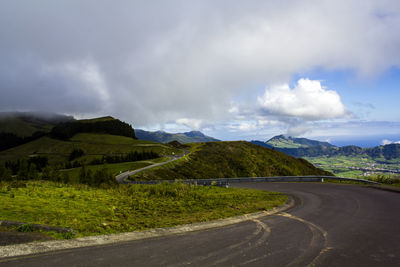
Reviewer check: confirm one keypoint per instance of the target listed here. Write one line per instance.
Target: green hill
(94, 146)
(164, 137)
(105, 125)
(24, 124)
(231, 159)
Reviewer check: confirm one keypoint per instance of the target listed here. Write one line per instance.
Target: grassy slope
(92, 211)
(94, 146)
(22, 128)
(230, 159)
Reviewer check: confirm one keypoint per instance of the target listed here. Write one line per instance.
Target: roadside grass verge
(124, 208)
(388, 180)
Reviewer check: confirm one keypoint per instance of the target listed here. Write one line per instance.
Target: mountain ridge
(316, 148)
(165, 137)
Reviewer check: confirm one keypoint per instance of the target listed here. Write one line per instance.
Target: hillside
(105, 125)
(164, 137)
(231, 159)
(94, 146)
(24, 124)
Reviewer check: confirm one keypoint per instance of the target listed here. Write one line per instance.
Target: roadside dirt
(11, 236)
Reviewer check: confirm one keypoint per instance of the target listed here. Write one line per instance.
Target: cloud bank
(388, 142)
(307, 100)
(156, 62)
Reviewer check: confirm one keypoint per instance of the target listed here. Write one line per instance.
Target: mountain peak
(194, 134)
(282, 141)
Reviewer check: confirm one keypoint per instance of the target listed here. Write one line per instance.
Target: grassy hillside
(94, 146)
(231, 159)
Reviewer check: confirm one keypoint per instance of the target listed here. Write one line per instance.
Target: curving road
(330, 225)
(122, 177)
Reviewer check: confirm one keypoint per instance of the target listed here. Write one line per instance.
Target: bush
(385, 179)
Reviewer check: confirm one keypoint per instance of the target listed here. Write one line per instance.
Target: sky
(235, 70)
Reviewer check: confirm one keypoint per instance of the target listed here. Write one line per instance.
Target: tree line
(66, 130)
(9, 140)
(101, 177)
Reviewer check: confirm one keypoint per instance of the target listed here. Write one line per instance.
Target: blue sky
(370, 98)
(232, 69)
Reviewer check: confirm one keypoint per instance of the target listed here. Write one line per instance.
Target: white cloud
(190, 123)
(298, 130)
(388, 142)
(308, 100)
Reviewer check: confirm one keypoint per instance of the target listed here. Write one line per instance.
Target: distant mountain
(282, 141)
(303, 147)
(164, 137)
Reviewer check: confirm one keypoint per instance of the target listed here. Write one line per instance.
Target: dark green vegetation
(71, 144)
(45, 158)
(25, 124)
(94, 147)
(164, 137)
(230, 159)
(93, 211)
(106, 125)
(384, 179)
(20, 128)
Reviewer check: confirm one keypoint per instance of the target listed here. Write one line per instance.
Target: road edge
(50, 246)
(385, 188)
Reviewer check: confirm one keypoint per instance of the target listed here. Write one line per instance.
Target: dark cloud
(180, 61)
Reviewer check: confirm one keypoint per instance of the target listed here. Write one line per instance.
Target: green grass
(94, 146)
(230, 159)
(94, 211)
(386, 179)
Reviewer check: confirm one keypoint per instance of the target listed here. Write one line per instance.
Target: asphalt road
(331, 225)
